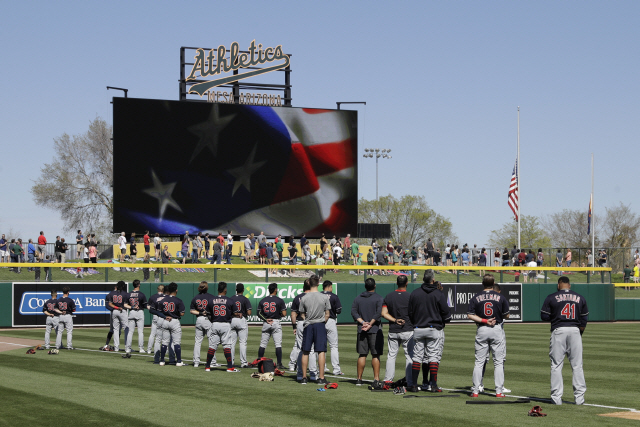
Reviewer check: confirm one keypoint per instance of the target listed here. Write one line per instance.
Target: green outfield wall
(527, 298)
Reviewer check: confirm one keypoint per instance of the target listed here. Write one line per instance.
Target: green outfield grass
(87, 388)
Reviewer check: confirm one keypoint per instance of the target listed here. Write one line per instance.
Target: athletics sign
(215, 61)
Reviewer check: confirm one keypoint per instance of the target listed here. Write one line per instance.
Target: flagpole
(593, 223)
(518, 182)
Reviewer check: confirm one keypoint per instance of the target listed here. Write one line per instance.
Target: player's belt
(224, 323)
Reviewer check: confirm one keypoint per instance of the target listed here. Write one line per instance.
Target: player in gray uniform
(154, 319)
(199, 306)
(568, 313)
(332, 329)
(271, 309)
(155, 309)
(52, 318)
(221, 311)
(496, 287)
(173, 309)
(110, 334)
(295, 359)
(239, 327)
(120, 318)
(136, 303)
(65, 307)
(489, 309)
(428, 312)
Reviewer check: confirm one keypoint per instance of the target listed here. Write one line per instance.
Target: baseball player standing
(65, 307)
(366, 310)
(239, 327)
(332, 329)
(154, 320)
(295, 359)
(49, 308)
(496, 287)
(173, 309)
(136, 302)
(199, 306)
(155, 308)
(119, 317)
(314, 309)
(108, 299)
(395, 308)
(271, 309)
(428, 313)
(221, 310)
(568, 313)
(489, 309)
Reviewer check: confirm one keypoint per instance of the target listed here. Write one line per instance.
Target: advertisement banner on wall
(255, 292)
(459, 295)
(29, 298)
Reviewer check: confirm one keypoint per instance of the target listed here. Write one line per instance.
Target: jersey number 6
(488, 309)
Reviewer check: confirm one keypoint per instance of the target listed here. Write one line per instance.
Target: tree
(568, 229)
(78, 182)
(620, 227)
(412, 220)
(532, 234)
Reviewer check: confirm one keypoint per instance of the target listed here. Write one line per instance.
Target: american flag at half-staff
(513, 191)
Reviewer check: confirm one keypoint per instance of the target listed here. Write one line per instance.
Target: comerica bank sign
(31, 303)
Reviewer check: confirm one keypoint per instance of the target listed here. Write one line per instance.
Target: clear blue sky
(442, 81)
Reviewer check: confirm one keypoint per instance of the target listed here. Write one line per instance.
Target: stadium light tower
(371, 153)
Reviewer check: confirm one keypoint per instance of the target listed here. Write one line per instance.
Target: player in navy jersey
(489, 309)
(332, 329)
(154, 308)
(173, 309)
(271, 309)
(65, 307)
(107, 299)
(136, 303)
(52, 317)
(395, 309)
(199, 306)
(239, 327)
(568, 313)
(119, 317)
(221, 311)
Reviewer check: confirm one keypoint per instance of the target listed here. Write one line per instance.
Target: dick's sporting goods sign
(29, 298)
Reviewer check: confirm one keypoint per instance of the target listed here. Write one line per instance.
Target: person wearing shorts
(315, 311)
(366, 310)
(157, 242)
(42, 245)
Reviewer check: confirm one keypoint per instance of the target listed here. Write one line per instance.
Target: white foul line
(21, 345)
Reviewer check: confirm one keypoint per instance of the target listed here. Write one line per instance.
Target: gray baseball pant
(489, 339)
(220, 333)
(239, 332)
(332, 340)
(202, 329)
(171, 331)
(566, 341)
(136, 320)
(428, 345)
(394, 341)
(271, 330)
(152, 335)
(65, 321)
(52, 323)
(158, 344)
(120, 320)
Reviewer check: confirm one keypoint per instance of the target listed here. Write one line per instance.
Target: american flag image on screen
(513, 191)
(198, 166)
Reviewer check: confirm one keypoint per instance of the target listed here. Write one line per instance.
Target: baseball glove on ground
(31, 351)
(536, 411)
(41, 347)
(54, 351)
(266, 376)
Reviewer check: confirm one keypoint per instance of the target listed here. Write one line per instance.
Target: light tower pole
(377, 153)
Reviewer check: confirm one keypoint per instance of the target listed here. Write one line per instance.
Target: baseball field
(88, 387)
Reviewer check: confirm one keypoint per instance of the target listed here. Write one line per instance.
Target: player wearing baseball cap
(155, 304)
(221, 310)
(489, 309)
(108, 298)
(332, 329)
(428, 313)
(65, 307)
(118, 316)
(366, 311)
(136, 303)
(239, 327)
(199, 306)
(173, 309)
(52, 317)
(568, 313)
(271, 309)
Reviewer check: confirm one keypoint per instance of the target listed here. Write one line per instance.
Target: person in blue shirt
(31, 253)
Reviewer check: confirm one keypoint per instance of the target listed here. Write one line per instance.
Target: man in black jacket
(366, 311)
(428, 312)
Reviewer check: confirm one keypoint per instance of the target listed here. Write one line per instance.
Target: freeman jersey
(488, 305)
(170, 306)
(117, 298)
(397, 303)
(221, 309)
(271, 307)
(66, 305)
(565, 308)
(336, 305)
(49, 306)
(243, 305)
(137, 300)
(201, 302)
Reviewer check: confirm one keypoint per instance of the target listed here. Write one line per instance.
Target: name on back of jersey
(567, 297)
